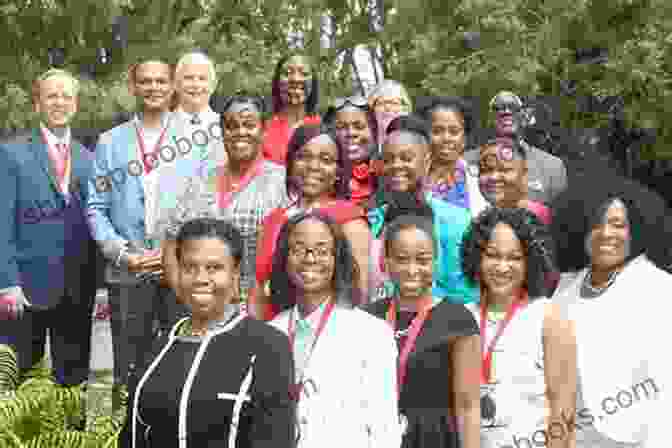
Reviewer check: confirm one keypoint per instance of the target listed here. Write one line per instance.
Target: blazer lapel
(39, 148)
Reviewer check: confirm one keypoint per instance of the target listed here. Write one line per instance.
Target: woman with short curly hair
(613, 233)
(526, 345)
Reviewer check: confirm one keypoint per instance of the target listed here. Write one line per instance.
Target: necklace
(588, 284)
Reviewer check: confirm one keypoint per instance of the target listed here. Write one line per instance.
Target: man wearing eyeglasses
(547, 174)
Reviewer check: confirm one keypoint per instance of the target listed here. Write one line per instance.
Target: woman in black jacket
(219, 378)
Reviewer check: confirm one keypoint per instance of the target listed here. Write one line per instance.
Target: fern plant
(35, 412)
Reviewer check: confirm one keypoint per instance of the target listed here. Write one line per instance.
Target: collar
(137, 119)
(207, 115)
(52, 140)
(313, 319)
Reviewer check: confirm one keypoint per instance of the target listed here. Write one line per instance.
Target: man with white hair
(195, 82)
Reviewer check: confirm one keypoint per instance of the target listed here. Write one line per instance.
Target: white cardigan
(349, 397)
(622, 343)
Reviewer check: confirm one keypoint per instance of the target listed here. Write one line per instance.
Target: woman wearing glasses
(355, 126)
(528, 372)
(243, 191)
(318, 179)
(345, 358)
(184, 397)
(295, 91)
(612, 236)
(438, 341)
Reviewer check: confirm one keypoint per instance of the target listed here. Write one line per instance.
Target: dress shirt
(206, 119)
(305, 328)
(54, 142)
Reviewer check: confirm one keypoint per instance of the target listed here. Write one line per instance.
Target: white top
(150, 138)
(520, 384)
(349, 398)
(622, 354)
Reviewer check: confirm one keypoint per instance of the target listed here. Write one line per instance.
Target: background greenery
(526, 45)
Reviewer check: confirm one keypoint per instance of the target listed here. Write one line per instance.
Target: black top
(267, 421)
(427, 396)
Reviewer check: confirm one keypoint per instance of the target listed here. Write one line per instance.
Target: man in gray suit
(547, 174)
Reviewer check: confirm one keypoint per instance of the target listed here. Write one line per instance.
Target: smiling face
(508, 116)
(502, 176)
(311, 258)
(208, 276)
(193, 85)
(409, 262)
(315, 168)
(295, 77)
(503, 265)
(447, 136)
(243, 134)
(608, 242)
(153, 85)
(405, 161)
(57, 101)
(354, 133)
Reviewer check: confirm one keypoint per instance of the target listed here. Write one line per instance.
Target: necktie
(59, 159)
(301, 343)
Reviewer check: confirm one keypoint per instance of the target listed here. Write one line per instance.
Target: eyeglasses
(356, 101)
(506, 107)
(321, 253)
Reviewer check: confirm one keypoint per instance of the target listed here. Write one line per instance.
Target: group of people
(373, 277)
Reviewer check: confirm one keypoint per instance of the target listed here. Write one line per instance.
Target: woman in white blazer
(611, 233)
(345, 358)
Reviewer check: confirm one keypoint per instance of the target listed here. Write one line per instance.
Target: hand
(13, 304)
(148, 261)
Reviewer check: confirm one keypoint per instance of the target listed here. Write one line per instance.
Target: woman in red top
(295, 92)
(356, 129)
(318, 178)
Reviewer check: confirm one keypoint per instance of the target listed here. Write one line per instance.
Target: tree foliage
(527, 46)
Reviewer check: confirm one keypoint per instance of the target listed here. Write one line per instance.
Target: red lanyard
(320, 327)
(425, 307)
(486, 367)
(226, 190)
(149, 165)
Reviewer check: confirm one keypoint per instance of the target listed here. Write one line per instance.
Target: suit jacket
(547, 174)
(117, 204)
(45, 244)
(349, 395)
